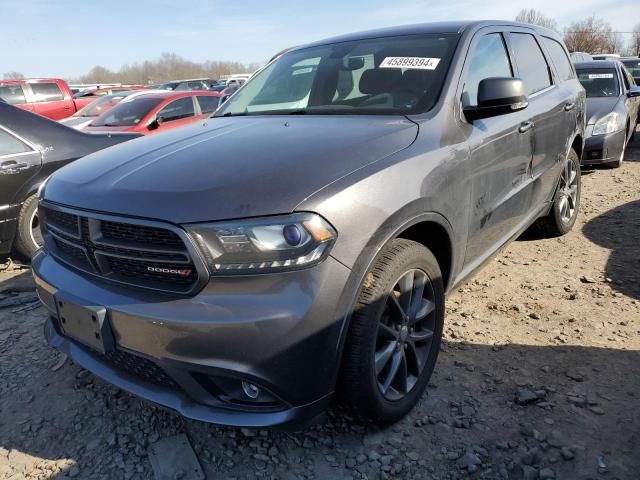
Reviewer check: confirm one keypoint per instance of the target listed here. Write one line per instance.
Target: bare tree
(12, 76)
(536, 17)
(592, 35)
(168, 66)
(615, 43)
(634, 45)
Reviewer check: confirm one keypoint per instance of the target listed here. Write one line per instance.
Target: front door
(500, 150)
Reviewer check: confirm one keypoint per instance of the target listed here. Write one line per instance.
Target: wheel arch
(430, 229)
(578, 145)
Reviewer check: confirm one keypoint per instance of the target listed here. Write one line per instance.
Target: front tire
(395, 333)
(566, 202)
(28, 237)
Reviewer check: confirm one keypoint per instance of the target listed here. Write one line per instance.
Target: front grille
(66, 222)
(140, 255)
(140, 234)
(141, 368)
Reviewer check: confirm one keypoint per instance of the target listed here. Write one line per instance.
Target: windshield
(599, 82)
(633, 66)
(395, 75)
(127, 114)
(98, 107)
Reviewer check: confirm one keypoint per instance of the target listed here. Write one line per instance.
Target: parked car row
(50, 97)
(613, 104)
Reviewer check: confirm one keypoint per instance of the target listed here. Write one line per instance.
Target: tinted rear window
(532, 66)
(127, 114)
(12, 94)
(46, 92)
(599, 82)
(559, 58)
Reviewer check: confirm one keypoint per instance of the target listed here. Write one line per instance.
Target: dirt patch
(538, 379)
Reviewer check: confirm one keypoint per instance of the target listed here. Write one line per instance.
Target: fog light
(250, 390)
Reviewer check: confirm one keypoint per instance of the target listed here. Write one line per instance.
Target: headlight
(264, 244)
(607, 124)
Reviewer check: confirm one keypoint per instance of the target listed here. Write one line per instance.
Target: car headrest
(416, 80)
(379, 80)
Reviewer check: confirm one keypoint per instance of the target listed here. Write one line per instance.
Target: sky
(66, 38)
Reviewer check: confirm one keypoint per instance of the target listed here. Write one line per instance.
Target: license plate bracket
(85, 322)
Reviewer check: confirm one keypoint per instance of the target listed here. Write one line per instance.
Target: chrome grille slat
(124, 252)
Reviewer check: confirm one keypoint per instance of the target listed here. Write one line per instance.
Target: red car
(85, 97)
(156, 112)
(50, 97)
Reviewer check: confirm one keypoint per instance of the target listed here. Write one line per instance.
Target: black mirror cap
(498, 96)
(634, 91)
(153, 124)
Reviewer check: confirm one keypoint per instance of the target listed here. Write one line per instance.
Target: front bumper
(602, 149)
(280, 332)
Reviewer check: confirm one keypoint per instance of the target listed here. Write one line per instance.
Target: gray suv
(298, 245)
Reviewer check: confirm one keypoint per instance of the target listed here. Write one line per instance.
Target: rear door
(176, 113)
(552, 109)
(50, 101)
(500, 150)
(14, 94)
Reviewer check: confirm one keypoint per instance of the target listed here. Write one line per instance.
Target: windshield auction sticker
(593, 76)
(417, 63)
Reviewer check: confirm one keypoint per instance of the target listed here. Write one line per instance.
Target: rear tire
(382, 337)
(28, 237)
(566, 202)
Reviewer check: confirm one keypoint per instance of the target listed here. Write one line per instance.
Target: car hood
(227, 168)
(598, 107)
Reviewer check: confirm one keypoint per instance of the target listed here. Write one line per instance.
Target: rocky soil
(538, 378)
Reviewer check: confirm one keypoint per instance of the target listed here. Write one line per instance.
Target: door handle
(525, 126)
(11, 166)
(569, 106)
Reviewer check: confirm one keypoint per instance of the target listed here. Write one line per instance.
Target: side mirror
(634, 91)
(497, 96)
(155, 123)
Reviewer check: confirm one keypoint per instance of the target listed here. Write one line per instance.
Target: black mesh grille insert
(141, 368)
(66, 222)
(76, 255)
(140, 234)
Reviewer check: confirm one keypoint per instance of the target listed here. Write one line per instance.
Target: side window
(532, 66)
(489, 58)
(625, 79)
(10, 145)
(208, 103)
(181, 108)
(46, 92)
(559, 58)
(12, 94)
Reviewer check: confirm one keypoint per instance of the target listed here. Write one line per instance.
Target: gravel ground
(537, 379)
